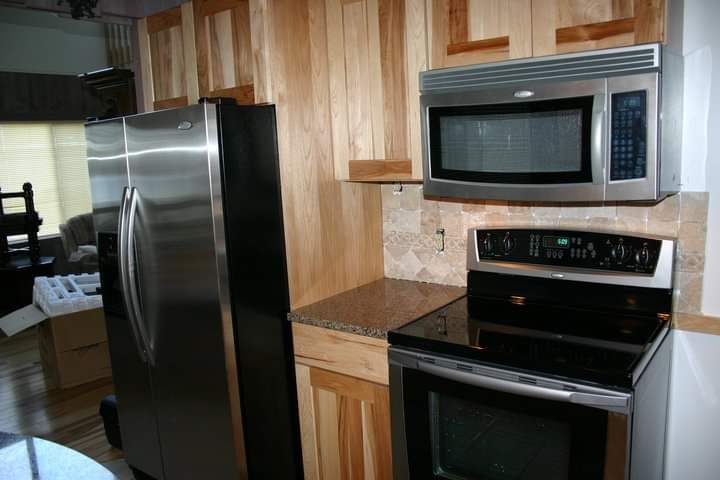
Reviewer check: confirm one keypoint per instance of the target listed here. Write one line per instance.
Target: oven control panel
(569, 248)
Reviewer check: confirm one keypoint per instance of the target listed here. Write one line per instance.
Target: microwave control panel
(628, 135)
(602, 251)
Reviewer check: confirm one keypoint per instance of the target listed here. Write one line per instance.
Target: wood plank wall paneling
(345, 426)
(416, 35)
(333, 229)
(190, 53)
(393, 64)
(259, 33)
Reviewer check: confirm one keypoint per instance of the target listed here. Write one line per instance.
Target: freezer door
(182, 292)
(107, 163)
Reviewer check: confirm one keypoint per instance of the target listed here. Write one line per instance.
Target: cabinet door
(562, 26)
(224, 49)
(344, 425)
(376, 49)
(167, 58)
(464, 32)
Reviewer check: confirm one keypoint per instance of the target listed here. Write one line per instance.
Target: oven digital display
(556, 242)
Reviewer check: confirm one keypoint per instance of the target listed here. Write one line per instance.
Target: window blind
(52, 157)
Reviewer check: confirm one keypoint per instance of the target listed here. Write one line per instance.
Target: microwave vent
(575, 66)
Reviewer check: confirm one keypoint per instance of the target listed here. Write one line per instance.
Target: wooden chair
(23, 223)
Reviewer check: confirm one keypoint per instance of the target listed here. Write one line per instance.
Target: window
(51, 156)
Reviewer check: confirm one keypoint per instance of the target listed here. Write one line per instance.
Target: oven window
(457, 431)
(540, 142)
(472, 440)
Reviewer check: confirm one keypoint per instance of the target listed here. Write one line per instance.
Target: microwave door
(529, 142)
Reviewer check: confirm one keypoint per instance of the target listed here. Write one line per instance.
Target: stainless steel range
(554, 366)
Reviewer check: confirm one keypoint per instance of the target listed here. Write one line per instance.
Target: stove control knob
(643, 256)
(619, 252)
(488, 244)
(508, 243)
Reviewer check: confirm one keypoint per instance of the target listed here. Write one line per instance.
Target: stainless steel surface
(649, 422)
(109, 181)
(178, 285)
(671, 121)
(662, 278)
(123, 262)
(593, 191)
(131, 275)
(509, 381)
(640, 188)
(107, 165)
(572, 66)
(516, 388)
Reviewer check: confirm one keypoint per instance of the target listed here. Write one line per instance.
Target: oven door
(540, 142)
(457, 421)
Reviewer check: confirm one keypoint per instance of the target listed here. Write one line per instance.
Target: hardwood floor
(69, 417)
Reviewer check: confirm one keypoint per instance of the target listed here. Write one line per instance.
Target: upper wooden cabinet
(375, 50)
(463, 32)
(224, 49)
(562, 26)
(167, 57)
(208, 48)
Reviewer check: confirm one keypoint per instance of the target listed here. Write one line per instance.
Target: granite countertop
(377, 307)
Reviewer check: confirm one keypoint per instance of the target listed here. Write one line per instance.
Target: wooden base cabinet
(345, 426)
(344, 404)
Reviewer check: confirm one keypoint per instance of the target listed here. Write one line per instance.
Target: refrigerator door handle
(132, 273)
(124, 277)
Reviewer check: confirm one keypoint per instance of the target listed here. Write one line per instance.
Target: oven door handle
(581, 398)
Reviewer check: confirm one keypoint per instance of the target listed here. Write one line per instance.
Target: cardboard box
(71, 328)
(74, 348)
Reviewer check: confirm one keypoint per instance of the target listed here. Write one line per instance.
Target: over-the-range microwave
(585, 127)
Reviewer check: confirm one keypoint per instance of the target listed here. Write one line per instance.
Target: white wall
(701, 141)
(41, 42)
(693, 450)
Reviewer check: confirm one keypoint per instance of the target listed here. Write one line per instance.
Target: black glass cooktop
(597, 346)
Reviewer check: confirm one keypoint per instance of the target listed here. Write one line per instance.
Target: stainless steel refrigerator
(188, 214)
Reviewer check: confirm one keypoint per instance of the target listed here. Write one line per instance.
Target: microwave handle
(597, 139)
(534, 391)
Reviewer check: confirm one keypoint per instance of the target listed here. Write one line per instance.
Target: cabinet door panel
(464, 32)
(167, 58)
(374, 48)
(345, 426)
(224, 49)
(562, 26)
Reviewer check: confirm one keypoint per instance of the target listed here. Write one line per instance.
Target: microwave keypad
(628, 157)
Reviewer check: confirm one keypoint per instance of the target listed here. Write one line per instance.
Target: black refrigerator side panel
(259, 290)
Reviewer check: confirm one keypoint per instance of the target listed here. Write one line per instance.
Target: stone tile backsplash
(410, 222)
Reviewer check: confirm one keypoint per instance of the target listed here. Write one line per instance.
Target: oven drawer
(456, 420)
